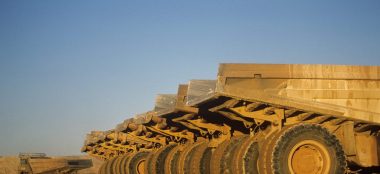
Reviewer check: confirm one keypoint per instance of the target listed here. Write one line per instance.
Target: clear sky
(69, 67)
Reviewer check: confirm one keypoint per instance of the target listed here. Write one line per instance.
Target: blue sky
(69, 67)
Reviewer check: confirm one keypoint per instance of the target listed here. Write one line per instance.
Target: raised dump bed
(255, 118)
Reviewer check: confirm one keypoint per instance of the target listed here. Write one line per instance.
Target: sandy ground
(9, 164)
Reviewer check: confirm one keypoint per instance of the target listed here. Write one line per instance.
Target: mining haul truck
(254, 118)
(39, 163)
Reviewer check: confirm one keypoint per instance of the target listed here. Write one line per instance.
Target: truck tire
(116, 165)
(109, 166)
(215, 166)
(307, 148)
(103, 167)
(156, 159)
(227, 157)
(206, 161)
(183, 159)
(172, 159)
(136, 163)
(246, 156)
(123, 164)
(196, 164)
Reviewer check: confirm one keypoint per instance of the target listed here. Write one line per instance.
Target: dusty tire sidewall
(302, 133)
(135, 160)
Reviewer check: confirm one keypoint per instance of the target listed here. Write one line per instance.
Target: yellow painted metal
(349, 91)
(186, 135)
(225, 129)
(259, 99)
(309, 157)
(119, 147)
(132, 138)
(37, 163)
(367, 148)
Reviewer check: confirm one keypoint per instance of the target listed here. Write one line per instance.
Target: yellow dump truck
(39, 163)
(254, 118)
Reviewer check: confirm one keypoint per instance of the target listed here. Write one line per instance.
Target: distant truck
(39, 163)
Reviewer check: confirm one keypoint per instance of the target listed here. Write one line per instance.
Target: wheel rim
(141, 167)
(309, 157)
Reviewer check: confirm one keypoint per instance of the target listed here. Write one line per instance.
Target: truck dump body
(39, 163)
(343, 88)
(58, 165)
(219, 124)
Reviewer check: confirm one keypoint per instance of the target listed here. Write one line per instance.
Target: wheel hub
(309, 157)
(141, 167)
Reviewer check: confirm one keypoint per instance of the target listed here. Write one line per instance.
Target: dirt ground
(9, 164)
